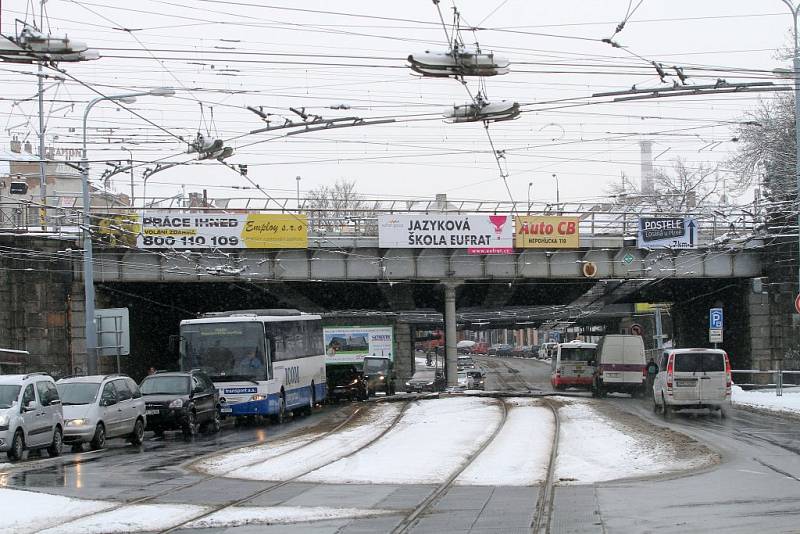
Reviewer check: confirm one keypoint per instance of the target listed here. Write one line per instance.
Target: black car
(181, 400)
(346, 382)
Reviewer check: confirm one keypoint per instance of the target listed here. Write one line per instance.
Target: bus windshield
(225, 351)
(577, 354)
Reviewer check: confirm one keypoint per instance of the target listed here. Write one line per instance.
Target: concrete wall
(36, 302)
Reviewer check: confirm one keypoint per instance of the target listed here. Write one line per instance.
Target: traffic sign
(715, 319)
(628, 258)
(667, 232)
(797, 303)
(715, 335)
(636, 329)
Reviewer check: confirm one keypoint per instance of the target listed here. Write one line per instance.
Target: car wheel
(137, 436)
(57, 445)
(190, 426)
(656, 407)
(17, 446)
(213, 426)
(722, 413)
(666, 408)
(99, 438)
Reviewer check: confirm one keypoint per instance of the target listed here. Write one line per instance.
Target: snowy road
(334, 472)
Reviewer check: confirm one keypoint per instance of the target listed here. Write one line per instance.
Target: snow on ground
(432, 439)
(767, 399)
(319, 452)
(251, 515)
(27, 511)
(230, 461)
(131, 518)
(591, 449)
(519, 454)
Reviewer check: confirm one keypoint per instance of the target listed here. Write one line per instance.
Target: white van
(620, 365)
(546, 350)
(571, 367)
(693, 378)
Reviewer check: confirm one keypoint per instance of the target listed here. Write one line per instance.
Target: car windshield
(577, 354)
(699, 362)
(375, 365)
(8, 395)
(78, 392)
(165, 385)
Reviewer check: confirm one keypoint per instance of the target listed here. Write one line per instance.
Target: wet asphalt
(755, 487)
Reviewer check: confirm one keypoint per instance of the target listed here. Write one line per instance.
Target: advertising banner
(479, 234)
(221, 230)
(350, 344)
(547, 232)
(667, 232)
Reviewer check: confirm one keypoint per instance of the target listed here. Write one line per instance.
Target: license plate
(686, 383)
(612, 375)
(226, 410)
(151, 412)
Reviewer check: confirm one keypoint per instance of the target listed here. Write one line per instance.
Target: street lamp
(796, 65)
(558, 195)
(298, 193)
(88, 272)
(530, 184)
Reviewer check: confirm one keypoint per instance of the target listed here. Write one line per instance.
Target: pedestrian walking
(652, 371)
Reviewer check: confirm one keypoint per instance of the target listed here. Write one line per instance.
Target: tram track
(544, 502)
(410, 520)
(290, 480)
(149, 498)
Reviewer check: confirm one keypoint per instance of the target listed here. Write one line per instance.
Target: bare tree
(338, 208)
(681, 188)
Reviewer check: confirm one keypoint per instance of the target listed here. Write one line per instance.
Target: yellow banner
(275, 231)
(546, 232)
(118, 230)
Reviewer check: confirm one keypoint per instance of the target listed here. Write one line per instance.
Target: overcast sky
(222, 56)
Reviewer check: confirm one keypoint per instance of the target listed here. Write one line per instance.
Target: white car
(693, 379)
(30, 415)
(100, 407)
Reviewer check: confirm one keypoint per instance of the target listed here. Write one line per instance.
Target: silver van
(100, 407)
(693, 379)
(620, 365)
(30, 415)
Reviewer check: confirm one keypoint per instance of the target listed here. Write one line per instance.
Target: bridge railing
(770, 379)
(595, 219)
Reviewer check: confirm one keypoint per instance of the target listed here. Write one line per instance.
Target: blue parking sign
(715, 319)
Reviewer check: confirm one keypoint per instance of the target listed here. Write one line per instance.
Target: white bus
(263, 362)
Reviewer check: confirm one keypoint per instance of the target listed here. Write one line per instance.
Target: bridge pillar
(451, 356)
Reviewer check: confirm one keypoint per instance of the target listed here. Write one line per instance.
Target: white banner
(479, 234)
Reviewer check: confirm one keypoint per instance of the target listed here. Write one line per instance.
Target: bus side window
(270, 345)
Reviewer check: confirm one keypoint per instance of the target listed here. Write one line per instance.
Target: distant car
(481, 347)
(379, 374)
(478, 379)
(503, 349)
(546, 350)
(30, 415)
(465, 346)
(346, 382)
(100, 407)
(465, 362)
(181, 401)
(426, 384)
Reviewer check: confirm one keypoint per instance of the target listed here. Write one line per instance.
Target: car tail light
(728, 378)
(644, 374)
(670, 371)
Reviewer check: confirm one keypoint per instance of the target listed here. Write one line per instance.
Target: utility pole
(130, 163)
(796, 73)
(42, 164)
(298, 193)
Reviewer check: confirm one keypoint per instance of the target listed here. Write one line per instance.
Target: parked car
(422, 384)
(465, 362)
(572, 365)
(620, 365)
(379, 374)
(181, 400)
(501, 349)
(478, 379)
(481, 347)
(695, 378)
(465, 346)
(345, 382)
(30, 415)
(100, 407)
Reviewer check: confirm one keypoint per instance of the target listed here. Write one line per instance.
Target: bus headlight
(258, 397)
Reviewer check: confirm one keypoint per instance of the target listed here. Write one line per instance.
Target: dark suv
(346, 382)
(181, 400)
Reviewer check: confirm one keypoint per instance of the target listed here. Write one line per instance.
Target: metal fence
(715, 223)
(770, 379)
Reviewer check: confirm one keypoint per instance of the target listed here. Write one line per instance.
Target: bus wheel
(280, 417)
